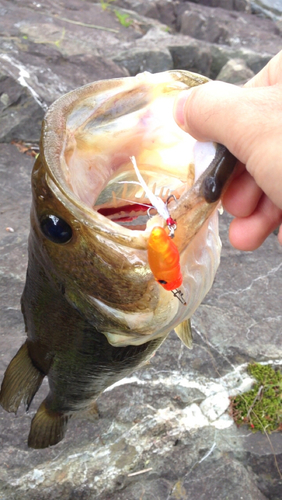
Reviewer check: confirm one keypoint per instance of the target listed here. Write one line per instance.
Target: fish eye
(162, 282)
(56, 229)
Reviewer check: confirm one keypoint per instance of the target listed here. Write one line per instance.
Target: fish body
(93, 310)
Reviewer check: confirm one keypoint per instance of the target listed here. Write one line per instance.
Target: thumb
(223, 113)
(202, 111)
(246, 120)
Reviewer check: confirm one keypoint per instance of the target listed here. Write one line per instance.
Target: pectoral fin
(184, 332)
(21, 381)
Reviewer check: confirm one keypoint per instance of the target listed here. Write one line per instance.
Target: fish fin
(47, 427)
(184, 332)
(21, 381)
(91, 413)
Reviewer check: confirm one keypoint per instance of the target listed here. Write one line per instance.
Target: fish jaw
(104, 269)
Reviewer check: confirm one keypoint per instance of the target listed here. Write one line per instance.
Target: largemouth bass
(92, 307)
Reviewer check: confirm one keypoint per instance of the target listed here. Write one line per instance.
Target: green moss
(123, 19)
(261, 407)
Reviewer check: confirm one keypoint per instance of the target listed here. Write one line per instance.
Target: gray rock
(279, 26)
(166, 11)
(162, 10)
(237, 5)
(274, 6)
(236, 29)
(21, 113)
(192, 56)
(235, 71)
(138, 60)
(221, 55)
(210, 29)
(209, 59)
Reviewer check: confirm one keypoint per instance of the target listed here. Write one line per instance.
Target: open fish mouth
(135, 119)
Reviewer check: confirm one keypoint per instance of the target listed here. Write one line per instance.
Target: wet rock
(235, 71)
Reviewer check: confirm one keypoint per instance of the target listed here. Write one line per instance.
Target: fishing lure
(164, 261)
(156, 201)
(163, 255)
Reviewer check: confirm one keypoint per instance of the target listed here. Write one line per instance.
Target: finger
(249, 233)
(242, 195)
(205, 111)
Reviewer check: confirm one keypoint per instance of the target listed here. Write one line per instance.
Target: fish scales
(92, 308)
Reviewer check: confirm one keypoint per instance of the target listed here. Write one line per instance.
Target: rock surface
(163, 433)
(235, 71)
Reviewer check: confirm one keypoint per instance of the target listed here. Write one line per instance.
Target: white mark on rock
(262, 277)
(23, 75)
(214, 406)
(208, 453)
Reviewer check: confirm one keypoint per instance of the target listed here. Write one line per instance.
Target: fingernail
(179, 105)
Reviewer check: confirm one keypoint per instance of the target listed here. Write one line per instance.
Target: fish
(92, 308)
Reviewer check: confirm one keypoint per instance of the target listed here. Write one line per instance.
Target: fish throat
(125, 202)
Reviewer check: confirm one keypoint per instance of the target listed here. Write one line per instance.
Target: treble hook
(148, 212)
(171, 223)
(170, 196)
(179, 295)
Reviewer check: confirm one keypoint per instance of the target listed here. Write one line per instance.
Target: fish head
(89, 222)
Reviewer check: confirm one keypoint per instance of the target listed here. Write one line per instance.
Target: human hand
(248, 121)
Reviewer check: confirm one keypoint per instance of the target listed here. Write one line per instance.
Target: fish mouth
(133, 118)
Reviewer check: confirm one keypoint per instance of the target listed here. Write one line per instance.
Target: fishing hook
(179, 295)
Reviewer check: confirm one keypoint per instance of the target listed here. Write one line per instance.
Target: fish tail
(47, 427)
(21, 381)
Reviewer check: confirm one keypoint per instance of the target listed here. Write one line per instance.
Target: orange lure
(163, 257)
